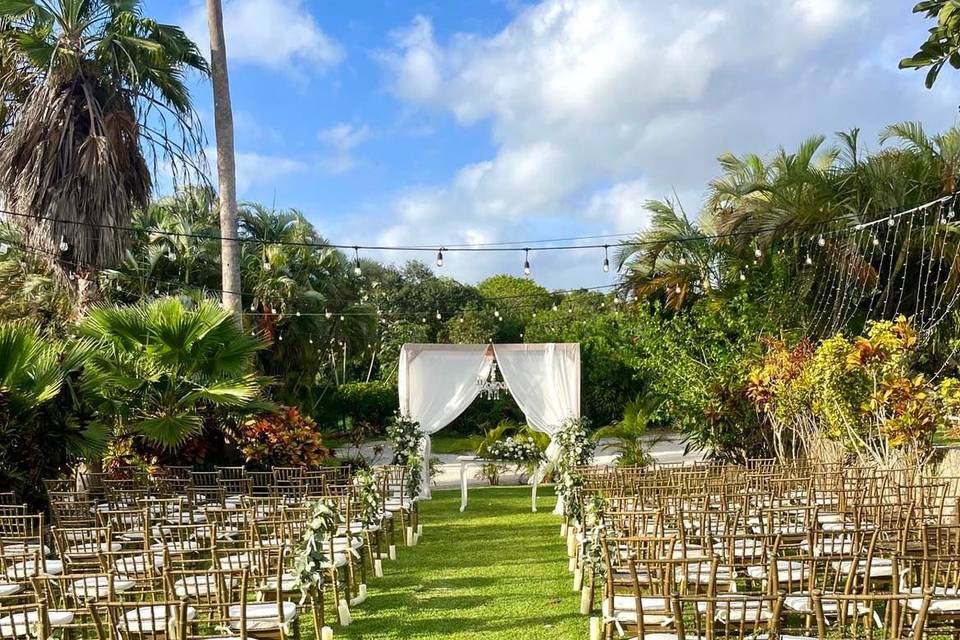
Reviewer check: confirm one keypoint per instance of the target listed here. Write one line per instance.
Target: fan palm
(165, 370)
(36, 435)
(105, 95)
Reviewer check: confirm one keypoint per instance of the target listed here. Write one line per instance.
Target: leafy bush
(863, 394)
(371, 403)
(286, 438)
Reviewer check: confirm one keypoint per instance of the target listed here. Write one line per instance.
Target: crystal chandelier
(490, 387)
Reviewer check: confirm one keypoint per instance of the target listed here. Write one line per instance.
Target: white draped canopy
(437, 382)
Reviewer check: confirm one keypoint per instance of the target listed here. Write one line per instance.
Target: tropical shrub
(628, 437)
(42, 425)
(164, 371)
(863, 396)
(371, 403)
(284, 438)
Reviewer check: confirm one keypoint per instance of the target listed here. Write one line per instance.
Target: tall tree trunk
(226, 162)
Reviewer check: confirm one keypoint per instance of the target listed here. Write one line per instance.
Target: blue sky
(463, 121)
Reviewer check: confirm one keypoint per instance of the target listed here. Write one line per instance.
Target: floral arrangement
(310, 556)
(286, 438)
(407, 440)
(574, 449)
(521, 450)
(370, 495)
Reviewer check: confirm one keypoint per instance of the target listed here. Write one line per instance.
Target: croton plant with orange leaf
(284, 438)
(853, 397)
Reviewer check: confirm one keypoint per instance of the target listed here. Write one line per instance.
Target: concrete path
(665, 447)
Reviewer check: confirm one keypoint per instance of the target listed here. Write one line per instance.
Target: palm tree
(226, 161)
(628, 436)
(165, 370)
(106, 97)
(675, 257)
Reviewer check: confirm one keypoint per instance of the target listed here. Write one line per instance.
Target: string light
(606, 259)
(743, 276)
(64, 247)
(821, 241)
(171, 256)
(439, 317)
(683, 261)
(357, 271)
(4, 247)
(809, 260)
(526, 262)
(440, 257)
(758, 253)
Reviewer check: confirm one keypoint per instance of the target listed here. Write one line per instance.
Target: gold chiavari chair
(29, 621)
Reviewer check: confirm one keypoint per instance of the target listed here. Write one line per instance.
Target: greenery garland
(370, 494)
(593, 519)
(407, 439)
(575, 449)
(310, 557)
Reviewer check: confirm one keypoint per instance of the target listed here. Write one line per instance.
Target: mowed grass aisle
(495, 571)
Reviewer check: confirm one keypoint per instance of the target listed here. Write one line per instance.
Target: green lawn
(495, 571)
(460, 445)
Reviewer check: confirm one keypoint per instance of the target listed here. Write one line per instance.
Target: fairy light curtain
(906, 263)
(437, 382)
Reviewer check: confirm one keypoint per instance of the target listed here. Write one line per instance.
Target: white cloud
(345, 136)
(641, 97)
(276, 34)
(257, 169)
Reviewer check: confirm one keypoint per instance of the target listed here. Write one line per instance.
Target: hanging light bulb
(683, 261)
(357, 271)
(891, 222)
(342, 318)
(757, 252)
(327, 314)
(678, 289)
(743, 276)
(156, 290)
(876, 241)
(496, 312)
(4, 247)
(440, 257)
(297, 314)
(273, 310)
(171, 255)
(310, 340)
(64, 246)
(606, 259)
(280, 337)
(809, 260)
(439, 317)
(526, 262)
(119, 288)
(266, 264)
(461, 319)
(253, 306)
(821, 241)
(554, 307)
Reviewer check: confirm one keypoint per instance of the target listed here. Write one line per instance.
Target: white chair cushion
(98, 587)
(262, 616)
(879, 567)
(151, 619)
(31, 569)
(9, 589)
(18, 625)
(91, 549)
(199, 585)
(132, 565)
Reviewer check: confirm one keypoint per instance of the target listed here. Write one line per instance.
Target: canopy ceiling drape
(438, 382)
